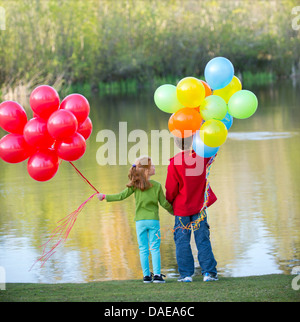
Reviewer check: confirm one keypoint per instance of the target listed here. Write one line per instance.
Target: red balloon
(78, 105)
(36, 133)
(85, 128)
(43, 165)
(72, 148)
(62, 124)
(44, 100)
(12, 117)
(14, 149)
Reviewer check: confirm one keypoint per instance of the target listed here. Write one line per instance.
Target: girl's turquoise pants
(148, 235)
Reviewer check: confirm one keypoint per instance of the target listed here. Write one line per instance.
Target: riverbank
(21, 90)
(265, 288)
(134, 86)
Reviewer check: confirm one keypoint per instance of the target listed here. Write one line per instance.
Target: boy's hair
(138, 174)
(184, 143)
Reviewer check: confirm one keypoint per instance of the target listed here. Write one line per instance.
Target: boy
(185, 190)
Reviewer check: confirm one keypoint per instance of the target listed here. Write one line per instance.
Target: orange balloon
(171, 123)
(185, 122)
(208, 90)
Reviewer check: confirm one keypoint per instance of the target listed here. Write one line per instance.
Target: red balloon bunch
(57, 131)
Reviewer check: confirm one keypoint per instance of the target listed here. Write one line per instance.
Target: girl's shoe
(148, 279)
(210, 277)
(159, 278)
(186, 279)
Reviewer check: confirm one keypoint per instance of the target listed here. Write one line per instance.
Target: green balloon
(213, 107)
(242, 104)
(165, 98)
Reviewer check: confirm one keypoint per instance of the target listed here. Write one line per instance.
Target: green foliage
(260, 78)
(99, 42)
(268, 288)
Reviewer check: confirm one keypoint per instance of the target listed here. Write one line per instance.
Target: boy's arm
(120, 196)
(171, 184)
(163, 201)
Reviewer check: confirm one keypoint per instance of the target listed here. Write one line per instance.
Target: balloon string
(60, 234)
(83, 177)
(206, 195)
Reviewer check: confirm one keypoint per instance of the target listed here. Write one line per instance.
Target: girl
(147, 195)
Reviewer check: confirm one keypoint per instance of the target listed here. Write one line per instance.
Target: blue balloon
(201, 149)
(218, 72)
(227, 120)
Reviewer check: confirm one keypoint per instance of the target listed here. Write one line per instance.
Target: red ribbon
(62, 231)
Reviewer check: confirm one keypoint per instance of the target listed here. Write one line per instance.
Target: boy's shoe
(159, 278)
(210, 277)
(148, 279)
(186, 279)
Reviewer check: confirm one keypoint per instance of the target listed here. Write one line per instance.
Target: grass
(266, 288)
(133, 86)
(20, 92)
(258, 79)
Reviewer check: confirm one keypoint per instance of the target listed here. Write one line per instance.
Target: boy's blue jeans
(148, 235)
(182, 238)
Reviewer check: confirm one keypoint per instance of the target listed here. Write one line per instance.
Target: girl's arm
(118, 196)
(164, 202)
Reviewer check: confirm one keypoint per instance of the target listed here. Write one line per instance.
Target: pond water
(254, 224)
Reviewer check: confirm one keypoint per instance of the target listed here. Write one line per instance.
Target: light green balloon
(165, 98)
(242, 104)
(213, 107)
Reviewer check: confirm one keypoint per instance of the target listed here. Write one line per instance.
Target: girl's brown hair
(139, 174)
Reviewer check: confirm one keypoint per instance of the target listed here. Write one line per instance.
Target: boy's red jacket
(186, 182)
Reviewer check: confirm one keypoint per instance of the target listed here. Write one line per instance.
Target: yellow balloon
(190, 92)
(213, 133)
(234, 86)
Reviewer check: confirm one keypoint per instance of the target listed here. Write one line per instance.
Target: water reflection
(254, 224)
(260, 135)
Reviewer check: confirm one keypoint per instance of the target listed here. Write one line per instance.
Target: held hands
(101, 196)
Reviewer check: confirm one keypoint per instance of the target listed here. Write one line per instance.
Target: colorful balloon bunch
(57, 131)
(205, 109)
